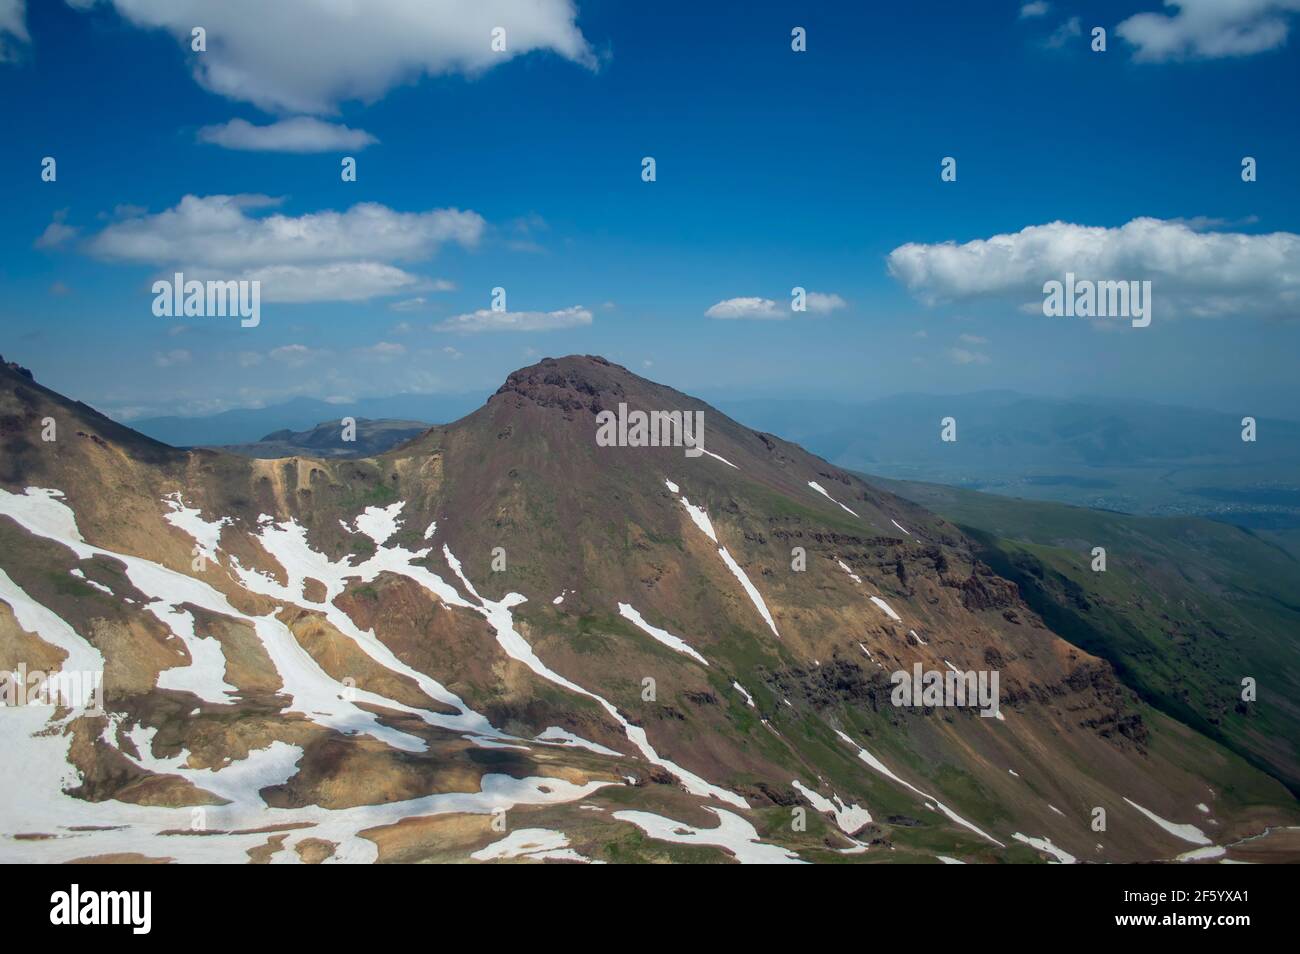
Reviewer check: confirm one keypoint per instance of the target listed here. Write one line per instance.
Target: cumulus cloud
(763, 308)
(1192, 271)
(218, 230)
(488, 320)
(299, 134)
(1209, 29)
(1035, 9)
(318, 256)
(334, 281)
(13, 27)
(306, 56)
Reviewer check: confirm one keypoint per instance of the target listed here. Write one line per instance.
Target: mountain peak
(573, 382)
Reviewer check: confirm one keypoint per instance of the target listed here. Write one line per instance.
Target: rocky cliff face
(660, 657)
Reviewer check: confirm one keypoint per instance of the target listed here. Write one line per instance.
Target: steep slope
(1186, 608)
(640, 654)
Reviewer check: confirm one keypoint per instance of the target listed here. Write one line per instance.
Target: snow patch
(205, 533)
(1045, 845)
(880, 767)
(76, 571)
(720, 457)
(822, 490)
(733, 834)
(540, 844)
(662, 635)
(556, 735)
(889, 611)
(1186, 832)
(850, 818)
(748, 698)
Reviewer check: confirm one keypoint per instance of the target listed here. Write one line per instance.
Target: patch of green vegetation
(592, 631)
(779, 505)
(65, 584)
(364, 547)
(1184, 610)
(635, 848)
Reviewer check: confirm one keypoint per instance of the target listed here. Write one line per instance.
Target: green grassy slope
(1186, 609)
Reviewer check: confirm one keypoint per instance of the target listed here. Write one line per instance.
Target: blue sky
(775, 169)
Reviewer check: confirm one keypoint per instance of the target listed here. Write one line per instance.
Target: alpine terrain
(502, 640)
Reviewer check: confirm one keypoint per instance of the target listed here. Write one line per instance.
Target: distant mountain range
(361, 437)
(250, 425)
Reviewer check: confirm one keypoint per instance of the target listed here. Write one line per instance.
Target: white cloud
(820, 303)
(13, 26)
(333, 281)
(306, 56)
(1035, 9)
(217, 231)
(972, 339)
(1193, 272)
(487, 320)
(1209, 29)
(763, 308)
(299, 134)
(319, 256)
(57, 232)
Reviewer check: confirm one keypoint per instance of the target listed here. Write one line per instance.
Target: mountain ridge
(384, 571)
